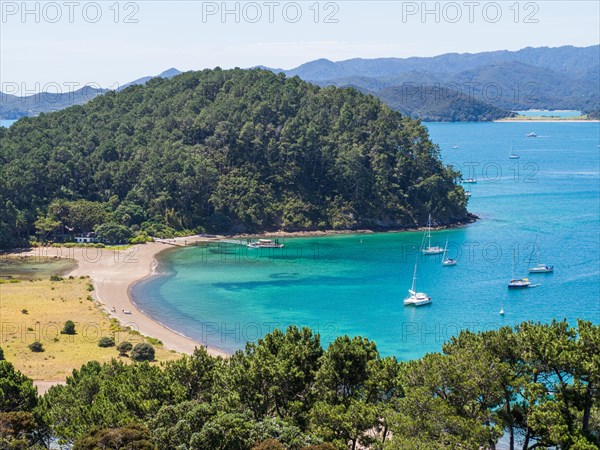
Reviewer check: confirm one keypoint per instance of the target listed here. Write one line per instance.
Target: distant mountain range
(169, 73)
(14, 107)
(481, 86)
(450, 87)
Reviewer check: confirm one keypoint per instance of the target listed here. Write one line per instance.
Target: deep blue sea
(355, 284)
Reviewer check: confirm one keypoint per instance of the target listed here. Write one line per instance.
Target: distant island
(470, 87)
(237, 151)
(448, 88)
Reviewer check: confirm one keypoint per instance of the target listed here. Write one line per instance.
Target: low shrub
(143, 352)
(36, 347)
(106, 341)
(69, 327)
(124, 347)
(154, 341)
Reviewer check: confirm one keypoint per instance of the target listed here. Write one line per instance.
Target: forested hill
(237, 150)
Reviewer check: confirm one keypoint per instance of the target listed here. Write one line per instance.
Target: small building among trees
(86, 238)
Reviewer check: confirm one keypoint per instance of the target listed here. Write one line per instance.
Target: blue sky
(98, 46)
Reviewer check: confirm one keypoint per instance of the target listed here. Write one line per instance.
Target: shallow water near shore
(31, 268)
(354, 284)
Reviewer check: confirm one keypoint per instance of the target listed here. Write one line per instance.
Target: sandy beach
(113, 273)
(538, 120)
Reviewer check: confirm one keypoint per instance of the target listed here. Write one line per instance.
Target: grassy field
(37, 310)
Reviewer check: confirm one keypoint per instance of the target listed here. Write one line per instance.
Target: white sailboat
(539, 267)
(518, 283)
(415, 298)
(445, 260)
(511, 155)
(430, 250)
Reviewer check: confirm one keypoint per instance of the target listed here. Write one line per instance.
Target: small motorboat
(541, 268)
(532, 134)
(470, 180)
(265, 243)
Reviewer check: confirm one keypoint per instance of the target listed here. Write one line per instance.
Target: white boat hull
(265, 246)
(519, 284)
(433, 250)
(417, 299)
(546, 269)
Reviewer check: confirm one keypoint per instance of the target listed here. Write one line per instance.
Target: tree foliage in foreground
(536, 382)
(235, 150)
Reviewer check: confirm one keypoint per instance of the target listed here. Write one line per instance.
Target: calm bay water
(355, 284)
(32, 268)
(6, 123)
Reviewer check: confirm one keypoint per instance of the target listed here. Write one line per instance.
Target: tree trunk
(511, 430)
(385, 433)
(587, 407)
(526, 442)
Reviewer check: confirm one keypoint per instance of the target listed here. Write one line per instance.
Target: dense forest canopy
(538, 383)
(227, 151)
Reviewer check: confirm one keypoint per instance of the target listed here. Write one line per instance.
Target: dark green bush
(69, 327)
(106, 342)
(124, 347)
(142, 352)
(36, 347)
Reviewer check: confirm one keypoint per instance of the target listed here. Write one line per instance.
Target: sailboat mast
(535, 250)
(445, 251)
(429, 231)
(513, 264)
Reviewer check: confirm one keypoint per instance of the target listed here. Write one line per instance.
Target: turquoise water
(355, 284)
(557, 113)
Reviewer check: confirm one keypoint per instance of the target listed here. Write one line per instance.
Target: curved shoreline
(115, 272)
(155, 274)
(142, 322)
(112, 273)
